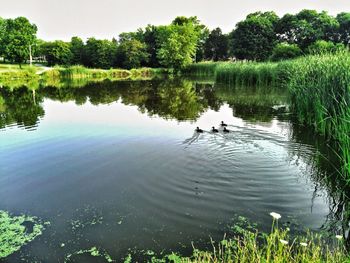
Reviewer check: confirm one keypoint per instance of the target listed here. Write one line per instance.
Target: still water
(118, 166)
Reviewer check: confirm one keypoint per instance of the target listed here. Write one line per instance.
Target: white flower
(339, 237)
(284, 242)
(275, 215)
(303, 244)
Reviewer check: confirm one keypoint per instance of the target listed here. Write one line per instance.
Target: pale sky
(62, 19)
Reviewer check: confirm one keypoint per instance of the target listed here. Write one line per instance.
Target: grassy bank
(319, 87)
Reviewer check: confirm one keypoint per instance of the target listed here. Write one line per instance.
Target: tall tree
(254, 38)
(2, 34)
(57, 53)
(77, 49)
(18, 38)
(152, 46)
(216, 46)
(201, 29)
(99, 53)
(131, 53)
(178, 43)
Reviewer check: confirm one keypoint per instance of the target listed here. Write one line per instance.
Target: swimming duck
(223, 124)
(226, 130)
(214, 130)
(199, 130)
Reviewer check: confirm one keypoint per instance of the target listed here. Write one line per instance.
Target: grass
(278, 246)
(319, 87)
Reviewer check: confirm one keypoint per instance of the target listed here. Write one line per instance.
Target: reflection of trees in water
(21, 106)
(171, 99)
(254, 103)
(326, 174)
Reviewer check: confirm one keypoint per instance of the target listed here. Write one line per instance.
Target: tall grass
(320, 89)
(319, 86)
(279, 246)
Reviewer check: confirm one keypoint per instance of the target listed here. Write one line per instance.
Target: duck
(223, 124)
(226, 130)
(214, 130)
(199, 130)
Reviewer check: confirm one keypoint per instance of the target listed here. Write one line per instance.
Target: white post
(30, 55)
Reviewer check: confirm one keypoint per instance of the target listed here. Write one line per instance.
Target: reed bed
(319, 86)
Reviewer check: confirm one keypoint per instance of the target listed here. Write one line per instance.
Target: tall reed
(319, 86)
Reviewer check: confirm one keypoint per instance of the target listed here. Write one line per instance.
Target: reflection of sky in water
(116, 119)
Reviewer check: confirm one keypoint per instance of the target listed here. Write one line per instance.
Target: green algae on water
(17, 231)
(94, 251)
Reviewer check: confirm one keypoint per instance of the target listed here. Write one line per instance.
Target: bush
(323, 47)
(285, 51)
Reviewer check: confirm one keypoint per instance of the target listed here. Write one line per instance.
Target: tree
(131, 53)
(99, 53)
(77, 49)
(306, 27)
(344, 28)
(322, 46)
(2, 34)
(216, 46)
(202, 30)
(57, 53)
(178, 44)
(285, 51)
(19, 35)
(254, 38)
(152, 46)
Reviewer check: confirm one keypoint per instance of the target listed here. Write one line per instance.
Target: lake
(118, 166)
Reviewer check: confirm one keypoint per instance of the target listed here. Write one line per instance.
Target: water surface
(118, 166)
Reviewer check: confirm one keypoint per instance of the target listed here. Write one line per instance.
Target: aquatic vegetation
(277, 246)
(17, 231)
(94, 252)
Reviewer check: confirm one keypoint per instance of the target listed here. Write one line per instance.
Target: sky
(105, 19)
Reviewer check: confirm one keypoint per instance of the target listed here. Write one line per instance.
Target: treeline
(261, 36)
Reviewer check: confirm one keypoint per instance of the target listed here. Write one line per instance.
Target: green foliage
(99, 53)
(178, 44)
(132, 53)
(152, 46)
(57, 53)
(322, 46)
(344, 27)
(254, 38)
(277, 246)
(216, 46)
(285, 51)
(306, 27)
(17, 37)
(77, 50)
